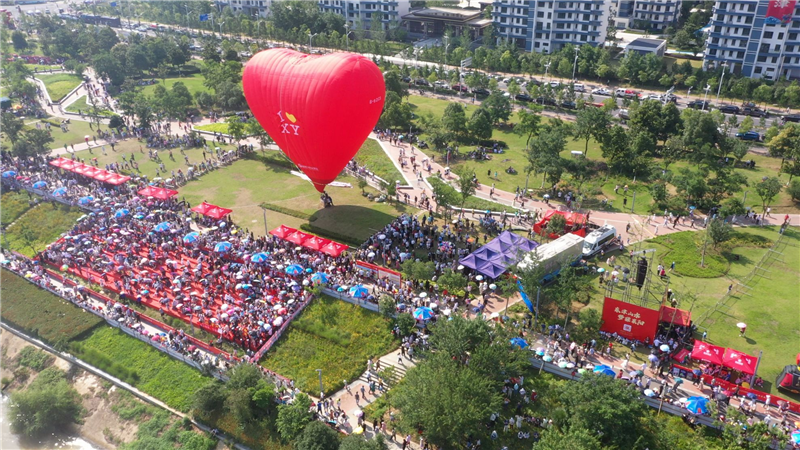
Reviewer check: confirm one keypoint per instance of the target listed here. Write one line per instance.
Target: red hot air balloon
(318, 109)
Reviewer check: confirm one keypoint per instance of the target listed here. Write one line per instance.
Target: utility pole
(347, 35)
(705, 97)
(266, 230)
(575, 64)
(309, 40)
(719, 89)
(319, 371)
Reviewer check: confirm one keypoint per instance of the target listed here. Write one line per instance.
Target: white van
(579, 87)
(598, 240)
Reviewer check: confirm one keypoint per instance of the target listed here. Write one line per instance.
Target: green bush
(41, 313)
(39, 227)
(472, 202)
(34, 358)
(15, 204)
(349, 240)
(287, 211)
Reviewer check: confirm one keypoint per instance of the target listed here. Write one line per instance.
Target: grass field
(75, 133)
(194, 83)
(158, 374)
(332, 335)
(247, 183)
(598, 188)
(41, 313)
(771, 311)
(60, 84)
(375, 159)
(14, 205)
(219, 127)
(39, 227)
(81, 105)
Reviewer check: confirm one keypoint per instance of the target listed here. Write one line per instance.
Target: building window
(759, 69)
(768, 35)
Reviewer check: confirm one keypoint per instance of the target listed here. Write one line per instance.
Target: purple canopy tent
(494, 258)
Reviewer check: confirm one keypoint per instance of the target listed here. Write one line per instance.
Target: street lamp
(347, 35)
(220, 30)
(309, 40)
(575, 63)
(446, 46)
(707, 88)
(719, 89)
(319, 371)
(546, 68)
(266, 230)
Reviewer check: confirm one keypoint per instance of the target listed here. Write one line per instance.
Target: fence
(277, 335)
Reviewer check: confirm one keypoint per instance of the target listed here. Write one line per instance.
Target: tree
(786, 144)
(794, 190)
(359, 442)
(719, 231)
(209, 398)
(480, 124)
(767, 190)
(682, 39)
(529, 123)
(571, 439)
(254, 128)
(293, 417)
(513, 88)
(49, 404)
(11, 126)
(556, 224)
(498, 105)
(454, 119)
(544, 153)
(18, 40)
(317, 435)
(466, 185)
(235, 127)
(746, 125)
(394, 83)
(34, 142)
(591, 123)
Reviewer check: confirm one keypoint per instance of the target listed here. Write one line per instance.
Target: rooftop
(647, 43)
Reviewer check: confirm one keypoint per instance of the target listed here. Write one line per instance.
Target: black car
(569, 105)
(421, 82)
(754, 111)
(545, 101)
(698, 104)
(407, 79)
(524, 97)
(792, 118)
(481, 91)
(729, 109)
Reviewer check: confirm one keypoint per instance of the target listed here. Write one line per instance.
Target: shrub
(34, 358)
(794, 190)
(15, 204)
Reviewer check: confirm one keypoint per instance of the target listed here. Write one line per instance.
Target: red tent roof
(315, 243)
(157, 192)
(334, 248)
(91, 172)
(80, 168)
(282, 231)
(117, 179)
(704, 351)
(213, 211)
(677, 316)
(298, 237)
(69, 165)
(739, 361)
(58, 162)
(103, 175)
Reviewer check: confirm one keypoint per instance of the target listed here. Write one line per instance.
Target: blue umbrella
(191, 237)
(423, 313)
(222, 247)
(294, 269)
(796, 437)
(39, 185)
(121, 213)
(519, 342)
(309, 270)
(9, 174)
(260, 258)
(162, 227)
(60, 192)
(359, 291)
(604, 370)
(85, 200)
(697, 405)
(319, 278)
(139, 216)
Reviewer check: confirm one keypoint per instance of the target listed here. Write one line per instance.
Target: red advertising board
(780, 11)
(629, 320)
(377, 272)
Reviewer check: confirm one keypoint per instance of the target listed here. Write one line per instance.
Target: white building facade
(747, 37)
(365, 13)
(546, 26)
(252, 8)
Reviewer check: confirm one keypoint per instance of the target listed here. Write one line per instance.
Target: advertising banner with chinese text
(629, 320)
(780, 11)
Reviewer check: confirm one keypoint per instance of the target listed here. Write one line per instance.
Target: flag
(204, 17)
(525, 297)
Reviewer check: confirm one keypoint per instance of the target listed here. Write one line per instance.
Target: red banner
(628, 320)
(739, 361)
(676, 316)
(706, 352)
(780, 11)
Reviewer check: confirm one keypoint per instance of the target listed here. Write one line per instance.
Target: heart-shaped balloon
(317, 109)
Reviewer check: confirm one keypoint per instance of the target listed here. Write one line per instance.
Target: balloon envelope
(318, 109)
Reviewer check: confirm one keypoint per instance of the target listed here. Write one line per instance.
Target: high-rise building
(365, 13)
(755, 38)
(546, 26)
(647, 14)
(252, 8)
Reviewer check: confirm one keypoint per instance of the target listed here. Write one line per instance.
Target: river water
(10, 441)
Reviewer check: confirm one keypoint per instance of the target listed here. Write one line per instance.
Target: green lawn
(41, 67)
(375, 159)
(14, 204)
(41, 313)
(771, 311)
(332, 335)
(60, 84)
(75, 133)
(247, 183)
(154, 372)
(219, 127)
(39, 227)
(81, 105)
(194, 83)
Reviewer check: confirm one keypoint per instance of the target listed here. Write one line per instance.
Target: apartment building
(755, 38)
(363, 13)
(252, 8)
(546, 26)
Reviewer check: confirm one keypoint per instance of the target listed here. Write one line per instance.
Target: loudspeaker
(641, 272)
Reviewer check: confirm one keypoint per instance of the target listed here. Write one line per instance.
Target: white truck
(598, 240)
(553, 255)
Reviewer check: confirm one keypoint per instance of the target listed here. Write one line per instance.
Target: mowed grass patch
(76, 131)
(332, 335)
(157, 374)
(41, 313)
(12, 206)
(472, 202)
(40, 226)
(82, 105)
(219, 127)
(372, 156)
(262, 177)
(59, 84)
(194, 84)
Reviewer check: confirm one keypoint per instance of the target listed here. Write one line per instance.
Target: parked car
(555, 84)
(421, 82)
(578, 87)
(524, 97)
(601, 91)
(698, 104)
(460, 88)
(623, 114)
(653, 97)
(569, 105)
(545, 101)
(481, 91)
(729, 109)
(749, 136)
(754, 111)
(792, 118)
